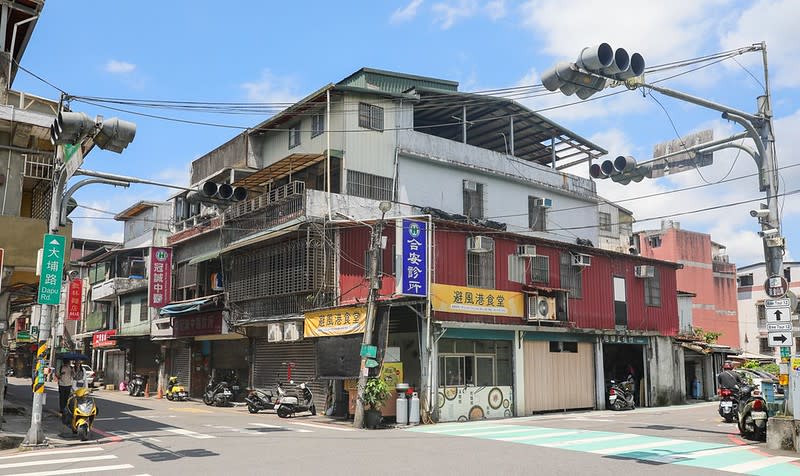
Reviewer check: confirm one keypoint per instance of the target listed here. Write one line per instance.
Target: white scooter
(286, 406)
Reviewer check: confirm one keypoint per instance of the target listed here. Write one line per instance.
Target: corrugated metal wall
(354, 242)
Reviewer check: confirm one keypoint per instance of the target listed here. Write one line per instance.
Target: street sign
(779, 326)
(52, 269)
(680, 162)
(779, 339)
(778, 310)
(369, 351)
(776, 286)
(73, 158)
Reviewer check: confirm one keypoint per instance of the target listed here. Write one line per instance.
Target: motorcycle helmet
(727, 366)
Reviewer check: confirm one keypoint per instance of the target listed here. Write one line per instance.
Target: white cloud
(271, 88)
(406, 13)
(773, 21)
(662, 30)
(119, 67)
(496, 9)
(448, 14)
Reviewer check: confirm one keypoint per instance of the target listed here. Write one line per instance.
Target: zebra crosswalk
(83, 460)
(739, 459)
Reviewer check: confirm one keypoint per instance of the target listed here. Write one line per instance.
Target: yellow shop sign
(335, 322)
(483, 302)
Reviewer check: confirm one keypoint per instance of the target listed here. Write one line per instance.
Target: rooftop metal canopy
(488, 120)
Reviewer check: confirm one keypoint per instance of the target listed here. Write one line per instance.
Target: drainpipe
(14, 40)
(328, 149)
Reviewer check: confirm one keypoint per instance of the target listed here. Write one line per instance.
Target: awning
(263, 235)
(186, 307)
(204, 257)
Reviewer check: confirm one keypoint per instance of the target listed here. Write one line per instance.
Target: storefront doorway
(619, 359)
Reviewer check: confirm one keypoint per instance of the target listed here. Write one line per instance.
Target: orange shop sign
(477, 301)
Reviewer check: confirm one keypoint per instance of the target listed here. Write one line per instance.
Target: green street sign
(52, 269)
(369, 351)
(372, 363)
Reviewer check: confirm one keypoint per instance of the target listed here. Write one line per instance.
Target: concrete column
(599, 376)
(519, 373)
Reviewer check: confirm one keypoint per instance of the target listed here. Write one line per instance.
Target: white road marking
(541, 435)
(56, 461)
(264, 425)
(326, 427)
(113, 418)
(716, 451)
(92, 469)
(499, 432)
(639, 446)
(757, 464)
(189, 433)
(53, 452)
(596, 439)
(463, 427)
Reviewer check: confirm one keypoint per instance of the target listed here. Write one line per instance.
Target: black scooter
(217, 394)
(258, 399)
(728, 405)
(753, 414)
(136, 385)
(288, 406)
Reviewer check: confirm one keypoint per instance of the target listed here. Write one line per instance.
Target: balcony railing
(276, 195)
(116, 286)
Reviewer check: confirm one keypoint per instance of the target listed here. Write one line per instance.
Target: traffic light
(70, 127)
(115, 134)
(220, 194)
(592, 70)
(623, 169)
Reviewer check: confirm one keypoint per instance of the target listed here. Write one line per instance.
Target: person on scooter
(728, 378)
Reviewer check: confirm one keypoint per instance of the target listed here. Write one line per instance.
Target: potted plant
(375, 395)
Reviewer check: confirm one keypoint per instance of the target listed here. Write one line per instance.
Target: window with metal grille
(317, 124)
(761, 313)
(605, 221)
(126, 313)
(540, 269)
(480, 269)
(473, 199)
(143, 314)
(652, 289)
(361, 184)
(294, 136)
(745, 280)
(370, 116)
(655, 241)
(571, 278)
(764, 347)
(537, 215)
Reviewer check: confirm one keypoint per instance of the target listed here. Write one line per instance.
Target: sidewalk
(17, 421)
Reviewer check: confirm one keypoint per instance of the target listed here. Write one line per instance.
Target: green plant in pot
(375, 395)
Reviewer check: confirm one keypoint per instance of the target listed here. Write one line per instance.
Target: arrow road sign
(779, 339)
(779, 314)
(779, 326)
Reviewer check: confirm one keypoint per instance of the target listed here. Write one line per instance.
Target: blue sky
(281, 51)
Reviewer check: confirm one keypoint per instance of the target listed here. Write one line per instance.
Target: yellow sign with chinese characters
(335, 322)
(478, 301)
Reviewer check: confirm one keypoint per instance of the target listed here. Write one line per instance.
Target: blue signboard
(413, 273)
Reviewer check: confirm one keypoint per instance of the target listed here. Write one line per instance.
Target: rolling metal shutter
(114, 371)
(182, 364)
(269, 368)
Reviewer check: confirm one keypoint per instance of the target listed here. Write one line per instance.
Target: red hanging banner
(75, 300)
(160, 276)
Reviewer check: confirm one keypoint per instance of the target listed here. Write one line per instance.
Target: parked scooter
(218, 394)
(176, 391)
(136, 385)
(728, 405)
(752, 414)
(288, 406)
(258, 399)
(620, 395)
(81, 413)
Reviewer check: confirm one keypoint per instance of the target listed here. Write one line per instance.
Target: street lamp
(374, 285)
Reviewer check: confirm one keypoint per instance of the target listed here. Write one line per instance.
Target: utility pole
(374, 285)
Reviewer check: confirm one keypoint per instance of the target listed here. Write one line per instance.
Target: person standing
(66, 377)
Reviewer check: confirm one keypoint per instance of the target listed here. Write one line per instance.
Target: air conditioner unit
(528, 251)
(480, 244)
(543, 202)
(580, 259)
(644, 271)
(541, 308)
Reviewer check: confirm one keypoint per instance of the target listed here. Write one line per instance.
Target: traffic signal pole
(35, 435)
